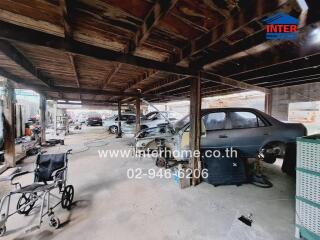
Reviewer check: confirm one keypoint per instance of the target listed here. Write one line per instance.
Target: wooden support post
(9, 124)
(195, 130)
(138, 114)
(268, 103)
(43, 106)
(119, 135)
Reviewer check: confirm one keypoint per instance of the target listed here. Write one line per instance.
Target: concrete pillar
(43, 106)
(195, 130)
(138, 113)
(9, 124)
(119, 135)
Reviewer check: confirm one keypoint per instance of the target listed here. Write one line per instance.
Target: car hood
(164, 130)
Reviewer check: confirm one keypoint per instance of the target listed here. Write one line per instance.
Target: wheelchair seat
(35, 187)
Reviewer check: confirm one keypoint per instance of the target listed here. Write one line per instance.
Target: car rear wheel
(273, 151)
(113, 129)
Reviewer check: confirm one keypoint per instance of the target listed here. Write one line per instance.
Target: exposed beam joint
(110, 75)
(158, 11)
(16, 56)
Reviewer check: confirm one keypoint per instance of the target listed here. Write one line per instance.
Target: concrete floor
(108, 205)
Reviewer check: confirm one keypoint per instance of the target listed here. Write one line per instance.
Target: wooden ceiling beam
(18, 80)
(228, 27)
(234, 24)
(24, 35)
(167, 83)
(83, 100)
(17, 57)
(74, 67)
(159, 10)
(110, 75)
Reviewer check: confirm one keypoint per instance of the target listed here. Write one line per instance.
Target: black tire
(67, 197)
(3, 230)
(54, 222)
(23, 200)
(269, 158)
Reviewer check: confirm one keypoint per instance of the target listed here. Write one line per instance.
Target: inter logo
(281, 27)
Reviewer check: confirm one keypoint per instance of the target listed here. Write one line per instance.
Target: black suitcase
(226, 171)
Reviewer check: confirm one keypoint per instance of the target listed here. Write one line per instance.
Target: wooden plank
(268, 103)
(12, 53)
(74, 67)
(119, 134)
(138, 113)
(195, 128)
(110, 75)
(9, 125)
(65, 9)
(42, 107)
(157, 12)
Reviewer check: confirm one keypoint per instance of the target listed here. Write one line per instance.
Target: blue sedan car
(246, 129)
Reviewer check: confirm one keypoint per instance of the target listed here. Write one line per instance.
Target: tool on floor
(247, 220)
(258, 178)
(50, 174)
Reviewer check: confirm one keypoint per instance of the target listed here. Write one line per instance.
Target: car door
(247, 132)
(216, 136)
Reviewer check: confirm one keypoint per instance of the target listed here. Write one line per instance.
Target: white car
(112, 123)
(152, 119)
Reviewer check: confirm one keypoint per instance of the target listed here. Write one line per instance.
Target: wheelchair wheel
(3, 230)
(54, 222)
(67, 197)
(23, 201)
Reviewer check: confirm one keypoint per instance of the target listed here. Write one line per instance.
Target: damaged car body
(245, 129)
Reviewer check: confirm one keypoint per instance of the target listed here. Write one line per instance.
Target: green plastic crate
(308, 188)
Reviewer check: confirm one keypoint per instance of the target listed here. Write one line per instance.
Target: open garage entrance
(103, 69)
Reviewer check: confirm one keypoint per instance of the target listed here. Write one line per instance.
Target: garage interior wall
(281, 97)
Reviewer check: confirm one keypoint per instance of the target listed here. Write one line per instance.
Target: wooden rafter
(110, 75)
(231, 25)
(74, 67)
(21, 34)
(16, 56)
(157, 12)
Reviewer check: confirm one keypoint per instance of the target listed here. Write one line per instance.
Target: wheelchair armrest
(56, 172)
(69, 151)
(18, 175)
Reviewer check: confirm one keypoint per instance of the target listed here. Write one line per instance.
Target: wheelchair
(50, 173)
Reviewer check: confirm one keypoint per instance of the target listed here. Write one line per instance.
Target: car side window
(245, 120)
(214, 121)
